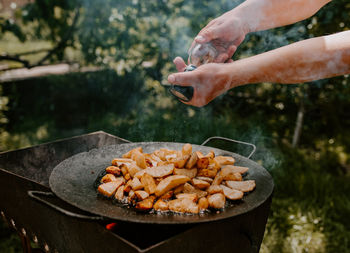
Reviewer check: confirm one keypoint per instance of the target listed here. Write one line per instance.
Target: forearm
(259, 15)
(303, 61)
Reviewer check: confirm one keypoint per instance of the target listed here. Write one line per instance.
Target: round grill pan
(73, 181)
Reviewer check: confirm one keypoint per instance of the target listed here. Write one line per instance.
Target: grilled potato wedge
(231, 193)
(224, 160)
(146, 204)
(108, 178)
(192, 161)
(203, 203)
(186, 149)
(161, 205)
(140, 159)
(148, 183)
(129, 153)
(200, 184)
(183, 205)
(141, 195)
(214, 189)
(136, 184)
(217, 200)
(113, 170)
(191, 196)
(160, 171)
(108, 189)
(237, 169)
(191, 173)
(119, 195)
(188, 188)
(169, 183)
(207, 173)
(244, 186)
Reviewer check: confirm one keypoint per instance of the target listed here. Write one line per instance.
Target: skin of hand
(304, 61)
(225, 33)
(208, 80)
(228, 31)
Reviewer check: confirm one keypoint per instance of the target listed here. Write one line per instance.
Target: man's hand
(225, 33)
(209, 81)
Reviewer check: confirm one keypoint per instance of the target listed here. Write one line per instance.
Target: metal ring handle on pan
(231, 140)
(33, 194)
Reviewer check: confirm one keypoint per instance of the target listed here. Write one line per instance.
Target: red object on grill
(111, 226)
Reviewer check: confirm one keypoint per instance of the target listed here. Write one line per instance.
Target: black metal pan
(73, 181)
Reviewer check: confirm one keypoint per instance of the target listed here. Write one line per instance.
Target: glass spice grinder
(198, 54)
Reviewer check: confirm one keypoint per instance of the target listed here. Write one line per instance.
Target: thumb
(206, 35)
(183, 79)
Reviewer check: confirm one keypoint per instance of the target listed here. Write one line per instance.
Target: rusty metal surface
(73, 181)
(36, 163)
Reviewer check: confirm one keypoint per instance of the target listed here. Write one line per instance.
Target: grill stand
(29, 169)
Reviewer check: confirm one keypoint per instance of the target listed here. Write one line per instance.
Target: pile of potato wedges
(171, 180)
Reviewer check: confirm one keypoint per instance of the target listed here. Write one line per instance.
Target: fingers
(238, 41)
(230, 51)
(180, 64)
(183, 79)
(221, 58)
